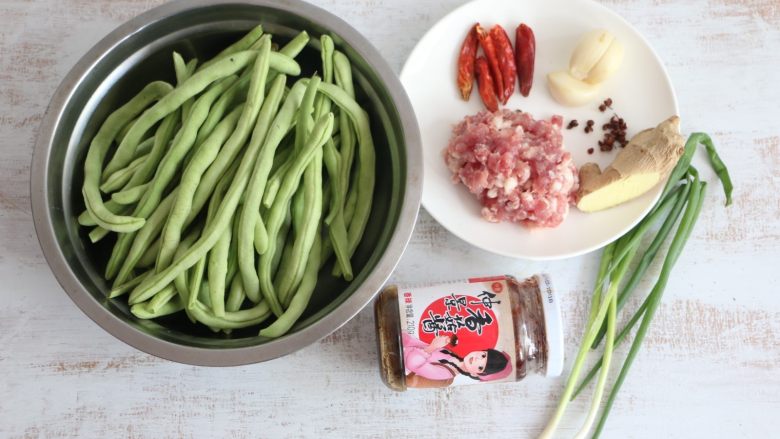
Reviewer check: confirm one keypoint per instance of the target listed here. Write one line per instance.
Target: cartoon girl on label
(432, 365)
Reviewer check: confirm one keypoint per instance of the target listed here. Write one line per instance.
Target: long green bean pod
(242, 44)
(242, 132)
(367, 160)
(173, 101)
(140, 242)
(230, 202)
(99, 148)
(188, 184)
(118, 179)
(217, 272)
(300, 299)
(257, 182)
(321, 132)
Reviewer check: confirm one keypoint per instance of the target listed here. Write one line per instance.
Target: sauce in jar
(489, 329)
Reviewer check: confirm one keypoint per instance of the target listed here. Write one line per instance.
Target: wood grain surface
(710, 366)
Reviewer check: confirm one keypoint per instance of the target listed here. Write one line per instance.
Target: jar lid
(553, 325)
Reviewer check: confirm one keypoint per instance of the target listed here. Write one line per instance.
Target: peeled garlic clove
(589, 51)
(570, 91)
(608, 64)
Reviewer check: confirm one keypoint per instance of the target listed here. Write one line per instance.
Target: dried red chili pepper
(487, 89)
(525, 54)
(489, 47)
(506, 59)
(468, 55)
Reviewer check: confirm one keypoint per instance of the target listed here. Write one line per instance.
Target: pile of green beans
(228, 193)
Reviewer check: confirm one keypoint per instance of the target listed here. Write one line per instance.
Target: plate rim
(572, 254)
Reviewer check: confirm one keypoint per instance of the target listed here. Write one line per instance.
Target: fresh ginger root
(647, 160)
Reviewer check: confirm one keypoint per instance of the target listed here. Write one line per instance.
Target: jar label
(458, 333)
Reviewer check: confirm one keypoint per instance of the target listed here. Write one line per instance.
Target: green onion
(681, 237)
(681, 199)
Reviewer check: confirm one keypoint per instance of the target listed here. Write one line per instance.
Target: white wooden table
(710, 366)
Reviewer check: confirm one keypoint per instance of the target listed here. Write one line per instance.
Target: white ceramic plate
(641, 90)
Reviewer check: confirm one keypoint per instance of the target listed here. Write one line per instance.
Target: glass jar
(488, 329)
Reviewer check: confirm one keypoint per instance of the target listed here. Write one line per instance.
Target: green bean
(323, 104)
(196, 283)
(97, 153)
(130, 196)
(260, 236)
(203, 299)
(282, 161)
(232, 320)
(239, 137)
(304, 119)
(292, 49)
(235, 94)
(296, 45)
(303, 243)
(127, 286)
(283, 154)
(236, 296)
(250, 212)
(141, 310)
(166, 135)
(217, 272)
(161, 299)
(286, 265)
(344, 211)
(97, 234)
(343, 75)
(281, 241)
(286, 250)
(302, 246)
(319, 135)
(145, 147)
(332, 161)
(308, 221)
(230, 201)
(327, 249)
(167, 167)
(180, 282)
(184, 142)
(188, 184)
(367, 159)
(337, 231)
(251, 209)
(197, 272)
(118, 179)
(298, 209)
(349, 206)
(301, 297)
(86, 220)
(187, 105)
(194, 85)
(182, 71)
(127, 252)
(274, 181)
(123, 132)
(232, 262)
(149, 256)
(243, 44)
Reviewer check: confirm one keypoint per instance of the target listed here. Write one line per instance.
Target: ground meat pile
(515, 165)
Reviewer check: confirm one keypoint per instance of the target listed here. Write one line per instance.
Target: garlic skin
(570, 91)
(590, 50)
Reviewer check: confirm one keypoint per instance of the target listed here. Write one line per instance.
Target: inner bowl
(139, 52)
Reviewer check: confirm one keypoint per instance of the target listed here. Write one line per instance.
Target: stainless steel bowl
(138, 52)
